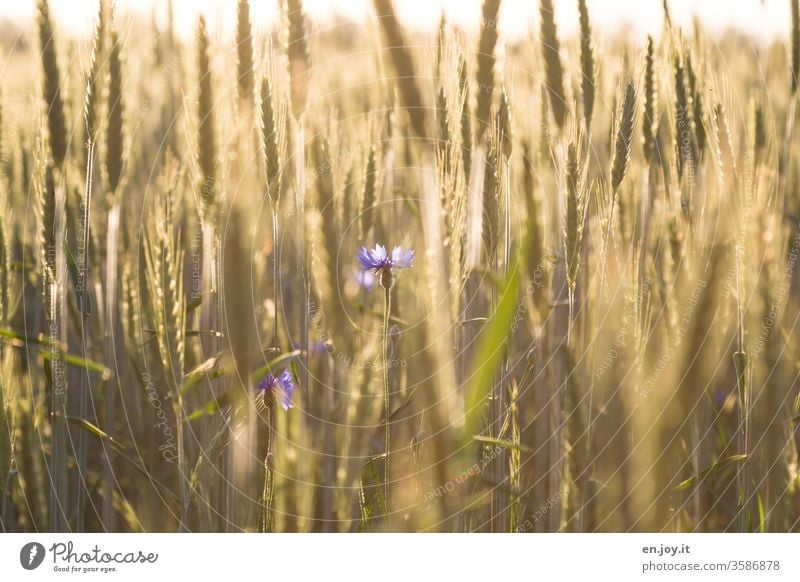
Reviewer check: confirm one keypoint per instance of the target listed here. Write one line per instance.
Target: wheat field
(358, 278)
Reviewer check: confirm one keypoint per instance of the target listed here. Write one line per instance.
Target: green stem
(386, 401)
(275, 270)
(607, 241)
(182, 473)
(267, 496)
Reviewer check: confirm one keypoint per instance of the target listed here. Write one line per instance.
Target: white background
(410, 558)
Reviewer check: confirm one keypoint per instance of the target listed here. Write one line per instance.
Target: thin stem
(58, 383)
(386, 398)
(571, 300)
(84, 387)
(302, 259)
(607, 241)
(500, 502)
(275, 269)
(267, 495)
(182, 484)
(507, 225)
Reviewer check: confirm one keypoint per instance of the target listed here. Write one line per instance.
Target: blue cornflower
(378, 260)
(365, 279)
(281, 387)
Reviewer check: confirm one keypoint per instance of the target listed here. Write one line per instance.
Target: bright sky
(764, 19)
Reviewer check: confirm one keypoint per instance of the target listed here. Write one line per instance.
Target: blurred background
(765, 19)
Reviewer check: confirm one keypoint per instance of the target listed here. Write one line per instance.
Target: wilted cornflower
(379, 261)
(281, 387)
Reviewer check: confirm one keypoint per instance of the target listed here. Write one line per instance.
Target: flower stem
(267, 496)
(386, 400)
(275, 270)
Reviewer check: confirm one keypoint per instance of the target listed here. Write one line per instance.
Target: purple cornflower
(282, 387)
(378, 260)
(365, 279)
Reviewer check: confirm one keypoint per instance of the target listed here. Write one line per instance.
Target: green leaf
(503, 443)
(83, 363)
(194, 303)
(214, 406)
(487, 276)
(209, 369)
(379, 315)
(45, 345)
(96, 431)
(378, 484)
(405, 404)
(281, 361)
(194, 333)
(204, 332)
(122, 450)
(714, 468)
(492, 345)
(410, 202)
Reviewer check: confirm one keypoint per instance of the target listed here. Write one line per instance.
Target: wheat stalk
(443, 126)
(758, 131)
(573, 233)
(441, 44)
(650, 104)
(206, 138)
(465, 122)
(51, 230)
(486, 62)
(272, 153)
(164, 260)
(503, 123)
(505, 146)
(698, 124)
(7, 404)
(91, 102)
(554, 71)
(624, 139)
(587, 64)
(325, 240)
(368, 197)
(6, 443)
(619, 167)
(6, 251)
(795, 61)
(114, 131)
(667, 15)
(403, 65)
(727, 158)
(271, 134)
(685, 144)
(52, 88)
(490, 230)
(46, 194)
(244, 52)
(299, 59)
(533, 218)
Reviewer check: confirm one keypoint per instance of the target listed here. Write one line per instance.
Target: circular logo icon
(31, 555)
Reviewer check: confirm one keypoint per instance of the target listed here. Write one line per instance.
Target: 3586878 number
(755, 565)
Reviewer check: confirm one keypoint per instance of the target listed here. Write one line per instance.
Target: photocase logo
(31, 555)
